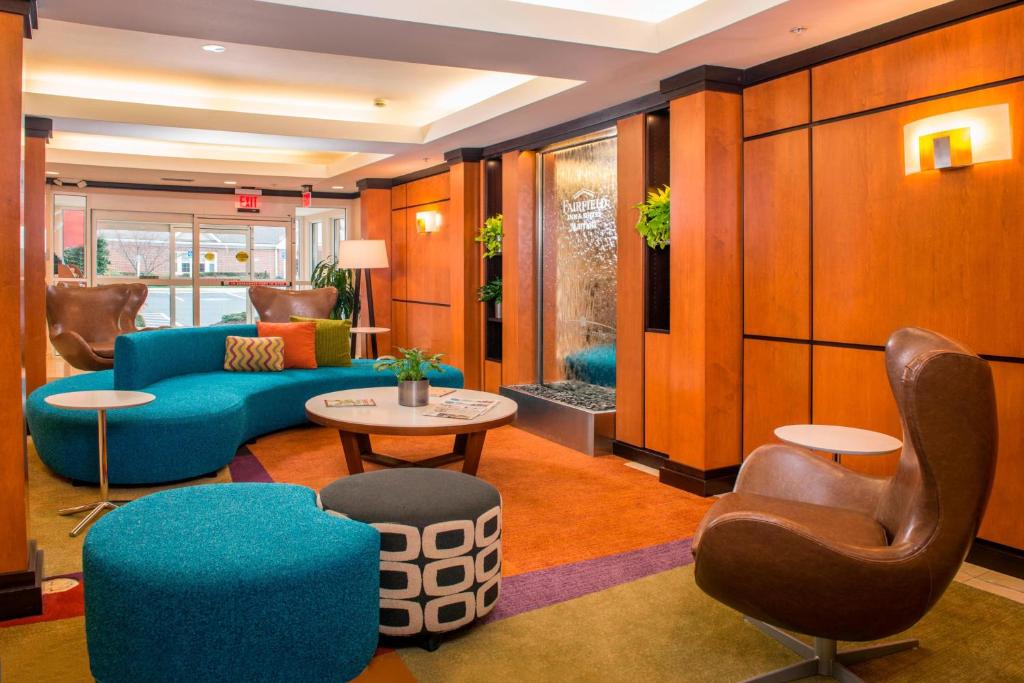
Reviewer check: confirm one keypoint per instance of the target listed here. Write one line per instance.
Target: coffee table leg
(353, 451)
(470, 446)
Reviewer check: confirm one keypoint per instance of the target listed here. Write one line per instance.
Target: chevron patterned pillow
(254, 354)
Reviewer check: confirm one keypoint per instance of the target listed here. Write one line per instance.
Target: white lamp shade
(362, 254)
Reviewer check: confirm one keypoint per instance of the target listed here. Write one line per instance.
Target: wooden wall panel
(428, 190)
(399, 256)
(1004, 519)
(983, 50)
(466, 350)
(519, 290)
(777, 104)
(37, 263)
(422, 325)
(776, 389)
(13, 538)
(776, 236)
(375, 219)
(658, 417)
(851, 389)
(706, 301)
(492, 376)
(429, 255)
(938, 249)
(399, 196)
(629, 335)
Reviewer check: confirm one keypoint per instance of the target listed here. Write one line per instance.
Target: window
(69, 244)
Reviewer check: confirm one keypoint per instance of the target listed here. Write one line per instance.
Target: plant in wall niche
(655, 219)
(490, 235)
(411, 371)
(491, 293)
(327, 274)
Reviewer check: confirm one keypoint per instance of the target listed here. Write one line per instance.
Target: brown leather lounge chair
(277, 305)
(807, 545)
(84, 321)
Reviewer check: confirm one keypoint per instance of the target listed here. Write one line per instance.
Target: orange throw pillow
(299, 342)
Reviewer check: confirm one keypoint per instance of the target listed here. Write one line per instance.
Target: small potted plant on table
(411, 371)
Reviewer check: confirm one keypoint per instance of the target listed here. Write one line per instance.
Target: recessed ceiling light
(53, 173)
(797, 30)
(230, 182)
(215, 48)
(337, 187)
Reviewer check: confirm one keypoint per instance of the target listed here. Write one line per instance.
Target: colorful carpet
(598, 584)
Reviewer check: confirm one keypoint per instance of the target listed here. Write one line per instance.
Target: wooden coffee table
(355, 426)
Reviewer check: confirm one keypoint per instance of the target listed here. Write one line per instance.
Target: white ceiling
(134, 97)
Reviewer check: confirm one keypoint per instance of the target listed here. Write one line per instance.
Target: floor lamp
(361, 256)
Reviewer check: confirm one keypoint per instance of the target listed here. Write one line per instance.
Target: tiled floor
(993, 582)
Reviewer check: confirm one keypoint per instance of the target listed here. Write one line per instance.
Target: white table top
(836, 439)
(370, 330)
(391, 416)
(99, 399)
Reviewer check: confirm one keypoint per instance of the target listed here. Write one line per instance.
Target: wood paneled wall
(519, 281)
(705, 341)
(13, 537)
(375, 217)
(841, 247)
(466, 350)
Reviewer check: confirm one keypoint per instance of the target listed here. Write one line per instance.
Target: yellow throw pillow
(333, 340)
(254, 354)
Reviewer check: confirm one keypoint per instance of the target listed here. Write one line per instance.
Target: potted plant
(411, 371)
(490, 235)
(655, 218)
(491, 292)
(326, 273)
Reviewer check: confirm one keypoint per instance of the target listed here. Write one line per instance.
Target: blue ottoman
(230, 582)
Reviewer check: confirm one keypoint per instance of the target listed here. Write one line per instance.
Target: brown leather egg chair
(84, 321)
(806, 545)
(278, 305)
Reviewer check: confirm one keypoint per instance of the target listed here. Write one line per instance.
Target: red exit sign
(248, 201)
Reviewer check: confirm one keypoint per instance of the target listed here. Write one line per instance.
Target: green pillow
(333, 340)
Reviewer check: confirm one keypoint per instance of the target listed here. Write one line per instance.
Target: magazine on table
(349, 402)
(460, 408)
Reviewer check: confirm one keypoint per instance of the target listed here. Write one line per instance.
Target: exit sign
(248, 201)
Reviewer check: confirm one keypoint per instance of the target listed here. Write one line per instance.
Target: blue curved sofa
(201, 415)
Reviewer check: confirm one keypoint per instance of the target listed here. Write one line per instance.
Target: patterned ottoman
(440, 558)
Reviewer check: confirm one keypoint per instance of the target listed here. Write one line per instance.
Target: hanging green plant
(490, 235)
(655, 218)
(490, 291)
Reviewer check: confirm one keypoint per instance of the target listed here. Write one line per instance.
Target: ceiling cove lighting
(651, 11)
(428, 221)
(230, 182)
(215, 48)
(958, 139)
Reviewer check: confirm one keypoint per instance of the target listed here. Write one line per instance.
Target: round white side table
(838, 440)
(100, 401)
(370, 333)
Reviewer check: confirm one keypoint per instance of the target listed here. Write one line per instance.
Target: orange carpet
(560, 506)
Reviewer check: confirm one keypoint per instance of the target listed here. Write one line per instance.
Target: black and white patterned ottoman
(440, 558)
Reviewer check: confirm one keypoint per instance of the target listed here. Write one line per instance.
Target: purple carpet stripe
(545, 587)
(247, 467)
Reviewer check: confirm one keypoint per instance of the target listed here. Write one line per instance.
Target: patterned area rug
(598, 584)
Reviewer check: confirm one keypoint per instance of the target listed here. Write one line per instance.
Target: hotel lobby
(512, 340)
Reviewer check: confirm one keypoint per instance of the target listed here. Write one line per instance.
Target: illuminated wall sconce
(428, 221)
(958, 139)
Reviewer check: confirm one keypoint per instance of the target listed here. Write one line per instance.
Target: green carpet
(663, 628)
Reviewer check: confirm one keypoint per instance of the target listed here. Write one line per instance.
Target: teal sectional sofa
(201, 415)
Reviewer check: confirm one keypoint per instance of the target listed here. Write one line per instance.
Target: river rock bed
(576, 394)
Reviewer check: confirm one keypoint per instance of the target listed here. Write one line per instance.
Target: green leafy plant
(75, 257)
(326, 273)
(490, 291)
(490, 235)
(412, 366)
(655, 219)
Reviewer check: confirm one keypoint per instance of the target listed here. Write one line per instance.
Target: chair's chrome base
(95, 510)
(822, 659)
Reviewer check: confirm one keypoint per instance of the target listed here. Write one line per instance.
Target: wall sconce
(428, 221)
(958, 139)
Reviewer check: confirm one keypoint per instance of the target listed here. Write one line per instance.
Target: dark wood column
(37, 132)
(519, 281)
(20, 565)
(375, 222)
(463, 222)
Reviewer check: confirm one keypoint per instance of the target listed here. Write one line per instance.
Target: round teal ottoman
(230, 582)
